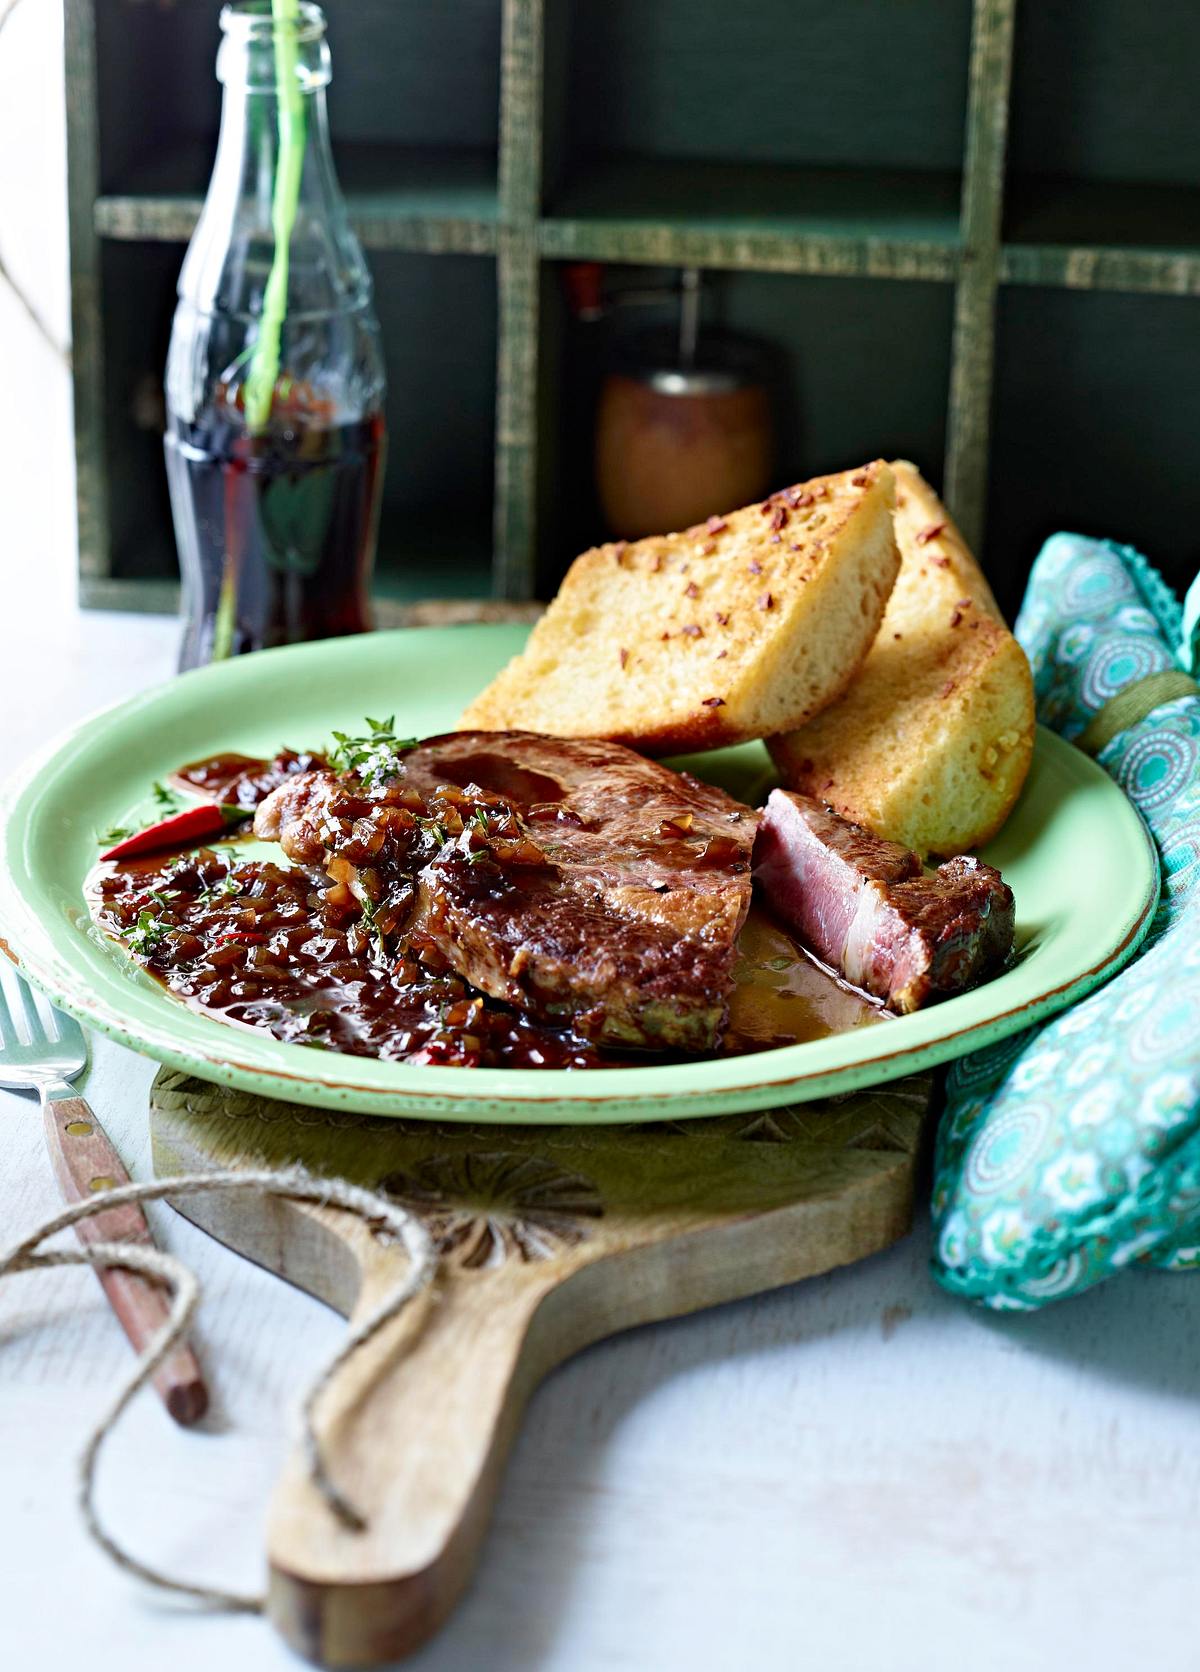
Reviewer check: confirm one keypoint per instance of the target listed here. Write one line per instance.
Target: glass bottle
(275, 434)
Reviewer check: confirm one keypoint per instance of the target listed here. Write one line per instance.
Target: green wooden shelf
(400, 198)
(649, 80)
(1102, 267)
(757, 216)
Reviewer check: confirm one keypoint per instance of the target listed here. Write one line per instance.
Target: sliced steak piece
(573, 879)
(865, 906)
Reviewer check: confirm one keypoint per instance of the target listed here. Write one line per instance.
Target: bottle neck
(248, 154)
(228, 259)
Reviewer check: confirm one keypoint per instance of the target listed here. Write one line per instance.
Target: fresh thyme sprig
(224, 888)
(432, 827)
(147, 934)
(375, 757)
(374, 932)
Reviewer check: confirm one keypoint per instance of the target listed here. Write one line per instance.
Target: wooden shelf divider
(518, 281)
(87, 335)
(989, 78)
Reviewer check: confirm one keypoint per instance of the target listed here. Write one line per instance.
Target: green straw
(264, 365)
(259, 390)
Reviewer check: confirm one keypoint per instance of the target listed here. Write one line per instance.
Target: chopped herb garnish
(479, 818)
(118, 833)
(147, 934)
(375, 758)
(373, 930)
(223, 888)
(165, 798)
(434, 829)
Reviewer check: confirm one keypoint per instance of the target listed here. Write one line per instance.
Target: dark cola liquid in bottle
(276, 501)
(276, 532)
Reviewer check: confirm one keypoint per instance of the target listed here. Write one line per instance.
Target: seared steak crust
(630, 926)
(865, 906)
(580, 882)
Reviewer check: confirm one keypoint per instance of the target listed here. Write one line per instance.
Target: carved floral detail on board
(886, 1118)
(483, 1208)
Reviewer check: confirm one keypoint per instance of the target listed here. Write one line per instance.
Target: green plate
(1077, 856)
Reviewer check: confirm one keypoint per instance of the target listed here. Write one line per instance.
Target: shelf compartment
(1096, 412)
(1104, 149)
(438, 320)
(400, 198)
(867, 84)
(822, 222)
(414, 130)
(1105, 92)
(406, 74)
(438, 558)
(137, 283)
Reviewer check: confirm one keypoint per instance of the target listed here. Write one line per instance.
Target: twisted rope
(293, 1185)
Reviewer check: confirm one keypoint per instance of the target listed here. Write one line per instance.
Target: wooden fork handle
(85, 1161)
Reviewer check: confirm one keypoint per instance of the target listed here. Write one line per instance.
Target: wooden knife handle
(85, 1161)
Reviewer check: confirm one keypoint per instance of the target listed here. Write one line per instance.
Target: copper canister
(675, 444)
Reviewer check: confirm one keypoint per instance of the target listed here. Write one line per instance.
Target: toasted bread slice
(740, 627)
(931, 744)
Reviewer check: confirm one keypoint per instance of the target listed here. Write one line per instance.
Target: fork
(42, 1050)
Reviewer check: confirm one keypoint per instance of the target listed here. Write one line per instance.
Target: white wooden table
(854, 1473)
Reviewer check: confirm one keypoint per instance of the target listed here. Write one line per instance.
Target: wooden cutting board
(551, 1237)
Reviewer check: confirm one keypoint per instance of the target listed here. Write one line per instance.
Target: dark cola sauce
(276, 531)
(268, 948)
(243, 780)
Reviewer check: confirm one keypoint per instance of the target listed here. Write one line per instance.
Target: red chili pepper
(181, 829)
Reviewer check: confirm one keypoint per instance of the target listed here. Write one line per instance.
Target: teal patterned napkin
(1073, 1149)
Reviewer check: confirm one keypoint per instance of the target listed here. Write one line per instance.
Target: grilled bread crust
(738, 628)
(931, 744)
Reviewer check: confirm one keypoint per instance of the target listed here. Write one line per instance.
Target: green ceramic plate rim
(50, 954)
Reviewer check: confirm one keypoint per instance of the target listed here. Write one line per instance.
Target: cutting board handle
(414, 1431)
(549, 1238)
